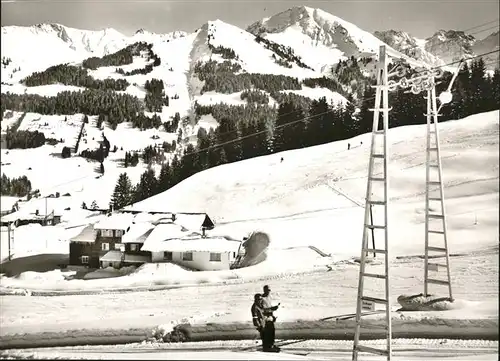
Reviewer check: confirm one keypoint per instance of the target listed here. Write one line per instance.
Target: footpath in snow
(453, 324)
(403, 349)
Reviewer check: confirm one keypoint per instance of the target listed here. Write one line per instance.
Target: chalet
(120, 240)
(197, 253)
(81, 248)
(90, 247)
(180, 242)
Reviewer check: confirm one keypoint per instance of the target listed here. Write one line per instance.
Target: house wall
(78, 249)
(105, 264)
(201, 260)
(128, 249)
(97, 250)
(93, 250)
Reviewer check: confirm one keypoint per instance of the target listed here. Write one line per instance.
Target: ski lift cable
(453, 63)
(259, 132)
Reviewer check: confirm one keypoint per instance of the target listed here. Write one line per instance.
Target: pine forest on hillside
(254, 129)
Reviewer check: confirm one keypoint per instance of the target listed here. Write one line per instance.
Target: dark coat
(258, 317)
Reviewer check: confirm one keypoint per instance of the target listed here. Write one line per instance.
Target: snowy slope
(254, 57)
(314, 190)
(317, 189)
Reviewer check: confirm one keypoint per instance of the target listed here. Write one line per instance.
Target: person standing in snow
(258, 317)
(262, 319)
(269, 308)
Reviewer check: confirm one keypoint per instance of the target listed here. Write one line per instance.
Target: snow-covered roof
(12, 217)
(112, 256)
(148, 217)
(87, 234)
(6, 203)
(117, 256)
(23, 214)
(193, 222)
(42, 205)
(198, 244)
(138, 233)
(164, 232)
(120, 221)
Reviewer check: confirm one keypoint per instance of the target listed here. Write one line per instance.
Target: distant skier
(281, 160)
(348, 146)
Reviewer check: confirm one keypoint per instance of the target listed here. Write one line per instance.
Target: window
(234, 254)
(167, 256)
(105, 246)
(119, 246)
(187, 256)
(106, 233)
(118, 233)
(215, 257)
(85, 259)
(134, 247)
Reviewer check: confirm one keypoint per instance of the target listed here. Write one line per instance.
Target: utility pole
(8, 236)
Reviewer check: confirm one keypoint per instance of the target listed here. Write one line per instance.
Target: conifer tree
(122, 195)
(147, 186)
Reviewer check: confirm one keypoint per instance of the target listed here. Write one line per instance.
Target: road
(403, 349)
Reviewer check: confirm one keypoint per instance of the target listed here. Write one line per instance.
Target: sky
(420, 18)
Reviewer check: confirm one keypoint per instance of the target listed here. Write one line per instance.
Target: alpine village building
(121, 239)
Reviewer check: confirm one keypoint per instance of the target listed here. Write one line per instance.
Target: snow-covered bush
(180, 333)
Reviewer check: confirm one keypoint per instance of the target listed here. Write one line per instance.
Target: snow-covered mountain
(319, 38)
(409, 45)
(442, 47)
(450, 45)
(37, 47)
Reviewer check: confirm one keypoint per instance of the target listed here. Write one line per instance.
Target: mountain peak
(450, 35)
(408, 45)
(450, 45)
